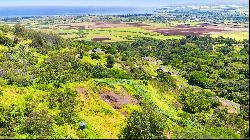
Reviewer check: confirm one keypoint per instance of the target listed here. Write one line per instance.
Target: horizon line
(123, 5)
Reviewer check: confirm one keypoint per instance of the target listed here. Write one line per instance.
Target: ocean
(71, 11)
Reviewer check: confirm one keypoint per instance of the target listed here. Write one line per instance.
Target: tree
(199, 78)
(197, 102)
(110, 61)
(19, 30)
(166, 78)
(38, 123)
(66, 101)
(147, 124)
(225, 49)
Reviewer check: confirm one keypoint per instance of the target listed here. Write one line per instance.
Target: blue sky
(114, 2)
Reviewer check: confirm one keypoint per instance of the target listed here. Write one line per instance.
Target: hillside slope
(143, 89)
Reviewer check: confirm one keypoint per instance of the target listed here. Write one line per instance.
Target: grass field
(125, 34)
(237, 35)
(116, 34)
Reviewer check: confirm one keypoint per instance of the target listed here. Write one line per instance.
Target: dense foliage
(147, 124)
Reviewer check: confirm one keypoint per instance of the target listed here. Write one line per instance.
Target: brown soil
(231, 106)
(82, 91)
(118, 101)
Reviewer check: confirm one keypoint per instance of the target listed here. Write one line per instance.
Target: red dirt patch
(118, 101)
(186, 29)
(82, 91)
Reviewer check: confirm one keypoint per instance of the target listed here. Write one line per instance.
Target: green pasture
(124, 34)
(116, 34)
(236, 35)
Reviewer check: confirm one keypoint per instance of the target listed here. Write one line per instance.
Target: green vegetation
(144, 125)
(149, 87)
(237, 35)
(115, 33)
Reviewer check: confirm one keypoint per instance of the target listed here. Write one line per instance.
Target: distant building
(98, 50)
(44, 27)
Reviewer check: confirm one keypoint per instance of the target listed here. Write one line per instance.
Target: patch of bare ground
(118, 100)
(231, 106)
(81, 91)
(201, 29)
(100, 38)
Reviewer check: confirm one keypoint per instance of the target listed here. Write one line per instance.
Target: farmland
(116, 34)
(130, 31)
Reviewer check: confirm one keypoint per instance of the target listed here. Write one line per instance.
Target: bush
(200, 79)
(144, 125)
(110, 61)
(167, 78)
(225, 49)
(95, 56)
(201, 133)
(38, 123)
(66, 101)
(197, 102)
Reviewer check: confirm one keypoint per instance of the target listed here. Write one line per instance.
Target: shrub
(167, 78)
(197, 102)
(201, 133)
(144, 125)
(66, 101)
(110, 61)
(200, 79)
(38, 123)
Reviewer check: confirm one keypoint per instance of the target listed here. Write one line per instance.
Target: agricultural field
(172, 30)
(237, 36)
(116, 34)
